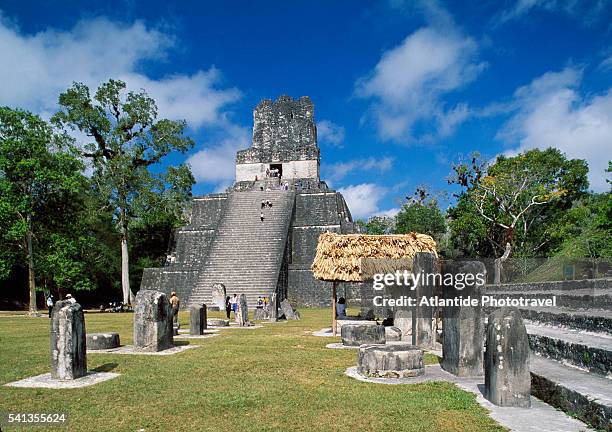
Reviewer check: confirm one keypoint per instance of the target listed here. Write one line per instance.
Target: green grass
(270, 379)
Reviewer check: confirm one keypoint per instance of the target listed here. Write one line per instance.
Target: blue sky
(401, 88)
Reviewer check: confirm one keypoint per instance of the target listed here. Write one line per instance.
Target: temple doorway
(277, 169)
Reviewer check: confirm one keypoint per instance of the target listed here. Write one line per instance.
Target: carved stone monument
(462, 343)
(507, 377)
(218, 296)
(273, 306)
(197, 320)
(152, 322)
(68, 341)
(402, 319)
(242, 314)
(423, 334)
(289, 311)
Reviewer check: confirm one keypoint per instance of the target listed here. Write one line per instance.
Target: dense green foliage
(127, 139)
(40, 188)
(64, 229)
(537, 201)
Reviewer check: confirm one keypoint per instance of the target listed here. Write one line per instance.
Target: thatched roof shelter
(357, 257)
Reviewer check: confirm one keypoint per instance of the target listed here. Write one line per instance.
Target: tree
(35, 173)
(377, 225)
(421, 214)
(518, 198)
(424, 218)
(127, 140)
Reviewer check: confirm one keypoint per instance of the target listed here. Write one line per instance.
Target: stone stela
(68, 341)
(152, 322)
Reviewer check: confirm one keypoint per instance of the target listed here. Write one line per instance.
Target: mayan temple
(226, 240)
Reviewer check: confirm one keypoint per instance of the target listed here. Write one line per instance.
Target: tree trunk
(31, 281)
(499, 264)
(128, 296)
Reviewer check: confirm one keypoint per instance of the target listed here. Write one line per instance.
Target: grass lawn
(270, 379)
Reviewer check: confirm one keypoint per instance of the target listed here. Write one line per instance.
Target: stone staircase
(571, 344)
(246, 254)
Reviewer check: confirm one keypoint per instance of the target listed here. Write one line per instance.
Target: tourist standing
(175, 302)
(228, 307)
(341, 307)
(234, 302)
(50, 303)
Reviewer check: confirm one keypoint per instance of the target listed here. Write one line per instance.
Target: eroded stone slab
(393, 334)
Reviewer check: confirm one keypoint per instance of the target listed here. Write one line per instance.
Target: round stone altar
(390, 361)
(100, 341)
(216, 322)
(359, 334)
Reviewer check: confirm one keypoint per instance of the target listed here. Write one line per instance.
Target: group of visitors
(231, 304)
(51, 301)
(274, 172)
(264, 204)
(262, 302)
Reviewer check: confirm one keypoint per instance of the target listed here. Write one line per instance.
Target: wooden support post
(334, 307)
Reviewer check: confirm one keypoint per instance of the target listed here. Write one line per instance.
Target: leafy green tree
(515, 201)
(424, 218)
(127, 140)
(35, 174)
(377, 225)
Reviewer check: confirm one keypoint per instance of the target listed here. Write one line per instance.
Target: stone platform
(190, 336)
(129, 349)
(46, 381)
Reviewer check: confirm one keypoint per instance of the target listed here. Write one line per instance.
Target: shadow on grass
(106, 367)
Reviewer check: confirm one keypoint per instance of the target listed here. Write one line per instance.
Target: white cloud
(606, 64)
(330, 133)
(409, 82)
(587, 11)
(392, 212)
(551, 112)
(44, 64)
(362, 199)
(216, 163)
(338, 171)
